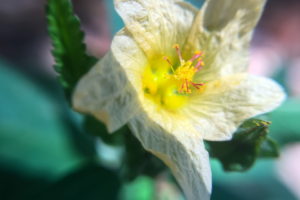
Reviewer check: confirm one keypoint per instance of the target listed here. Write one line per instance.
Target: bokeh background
(45, 154)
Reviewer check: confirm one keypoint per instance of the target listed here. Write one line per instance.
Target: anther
(169, 62)
(176, 46)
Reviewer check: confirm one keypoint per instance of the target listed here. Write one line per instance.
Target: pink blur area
(276, 43)
(24, 41)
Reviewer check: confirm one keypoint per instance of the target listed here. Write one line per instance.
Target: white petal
(182, 151)
(106, 93)
(223, 30)
(226, 103)
(131, 58)
(219, 13)
(156, 25)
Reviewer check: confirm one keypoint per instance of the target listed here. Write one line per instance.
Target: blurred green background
(46, 154)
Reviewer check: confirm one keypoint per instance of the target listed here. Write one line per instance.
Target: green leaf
(69, 50)
(89, 182)
(249, 142)
(97, 128)
(138, 161)
(142, 188)
(268, 149)
(33, 137)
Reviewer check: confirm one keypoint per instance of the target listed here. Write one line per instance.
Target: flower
(177, 76)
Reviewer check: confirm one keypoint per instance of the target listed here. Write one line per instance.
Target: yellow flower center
(170, 85)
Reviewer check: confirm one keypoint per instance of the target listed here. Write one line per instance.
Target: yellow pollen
(170, 82)
(186, 71)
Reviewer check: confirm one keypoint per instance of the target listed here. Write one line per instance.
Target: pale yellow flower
(177, 76)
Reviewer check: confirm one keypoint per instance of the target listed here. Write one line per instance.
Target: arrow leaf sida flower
(177, 76)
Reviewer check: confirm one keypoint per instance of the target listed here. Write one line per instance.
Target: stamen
(199, 64)
(176, 46)
(186, 71)
(170, 63)
(181, 89)
(197, 85)
(187, 86)
(196, 55)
